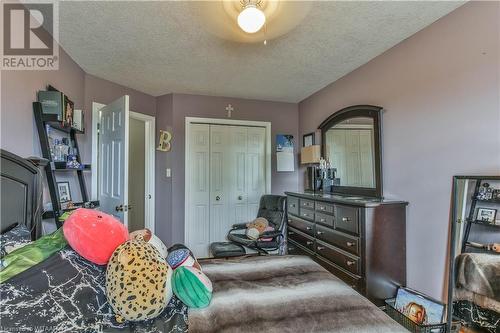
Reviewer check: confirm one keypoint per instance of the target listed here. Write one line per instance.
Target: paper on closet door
(285, 161)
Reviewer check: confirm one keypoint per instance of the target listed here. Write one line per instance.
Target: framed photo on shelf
(64, 192)
(419, 308)
(486, 215)
(308, 140)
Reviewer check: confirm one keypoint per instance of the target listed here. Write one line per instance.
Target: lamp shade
(310, 154)
(251, 19)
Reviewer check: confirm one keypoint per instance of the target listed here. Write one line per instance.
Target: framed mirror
(351, 143)
(474, 267)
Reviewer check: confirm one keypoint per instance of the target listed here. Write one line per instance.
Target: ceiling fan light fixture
(251, 19)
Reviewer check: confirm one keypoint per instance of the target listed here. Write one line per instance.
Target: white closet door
(198, 214)
(238, 202)
(337, 153)
(366, 157)
(219, 182)
(255, 169)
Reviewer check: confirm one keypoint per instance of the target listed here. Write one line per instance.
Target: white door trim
(96, 119)
(150, 152)
(149, 181)
(215, 121)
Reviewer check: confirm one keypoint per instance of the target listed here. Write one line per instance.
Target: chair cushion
(226, 249)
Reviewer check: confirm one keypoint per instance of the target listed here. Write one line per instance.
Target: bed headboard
(20, 185)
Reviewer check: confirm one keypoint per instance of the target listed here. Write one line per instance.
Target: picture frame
(308, 139)
(419, 308)
(486, 215)
(64, 191)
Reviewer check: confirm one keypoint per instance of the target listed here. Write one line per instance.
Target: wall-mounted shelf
(61, 166)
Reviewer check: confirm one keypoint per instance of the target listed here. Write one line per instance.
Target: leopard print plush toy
(138, 281)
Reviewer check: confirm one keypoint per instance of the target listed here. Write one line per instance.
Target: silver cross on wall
(229, 109)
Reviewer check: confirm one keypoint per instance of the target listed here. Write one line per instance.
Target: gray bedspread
(284, 294)
(479, 273)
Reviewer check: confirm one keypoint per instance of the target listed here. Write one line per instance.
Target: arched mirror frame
(356, 111)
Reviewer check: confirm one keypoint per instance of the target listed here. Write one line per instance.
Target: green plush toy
(192, 287)
(137, 281)
(29, 255)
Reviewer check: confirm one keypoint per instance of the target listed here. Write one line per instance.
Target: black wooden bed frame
(21, 192)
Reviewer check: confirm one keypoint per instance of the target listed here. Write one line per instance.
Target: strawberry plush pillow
(94, 235)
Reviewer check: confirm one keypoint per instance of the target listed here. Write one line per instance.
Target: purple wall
(283, 118)
(440, 89)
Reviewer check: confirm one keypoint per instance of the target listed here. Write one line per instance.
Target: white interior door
(219, 182)
(113, 159)
(238, 203)
(198, 212)
(255, 169)
(225, 179)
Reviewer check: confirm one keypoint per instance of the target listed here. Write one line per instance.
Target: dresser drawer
(302, 225)
(293, 205)
(324, 207)
(344, 260)
(296, 249)
(305, 203)
(306, 214)
(353, 281)
(347, 219)
(301, 238)
(338, 239)
(323, 218)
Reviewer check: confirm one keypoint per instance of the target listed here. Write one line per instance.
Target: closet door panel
(255, 171)
(198, 226)
(219, 183)
(238, 193)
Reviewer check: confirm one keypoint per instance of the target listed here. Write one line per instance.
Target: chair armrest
(270, 234)
(239, 226)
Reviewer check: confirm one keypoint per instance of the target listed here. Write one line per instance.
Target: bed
(476, 297)
(66, 293)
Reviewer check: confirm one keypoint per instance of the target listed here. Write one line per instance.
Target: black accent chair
(273, 209)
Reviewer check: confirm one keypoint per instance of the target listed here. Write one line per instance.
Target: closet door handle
(240, 197)
(217, 198)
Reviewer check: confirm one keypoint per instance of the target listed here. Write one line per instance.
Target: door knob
(240, 197)
(119, 208)
(217, 198)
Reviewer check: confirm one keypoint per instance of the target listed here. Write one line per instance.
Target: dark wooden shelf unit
(41, 120)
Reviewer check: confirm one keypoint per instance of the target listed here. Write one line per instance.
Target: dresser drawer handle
(322, 220)
(350, 262)
(305, 214)
(346, 219)
(291, 233)
(291, 248)
(350, 244)
(309, 243)
(309, 228)
(289, 220)
(320, 232)
(322, 207)
(320, 248)
(292, 205)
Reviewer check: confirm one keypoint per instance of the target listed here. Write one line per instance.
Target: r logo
(28, 29)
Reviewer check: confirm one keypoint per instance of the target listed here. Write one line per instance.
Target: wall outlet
(168, 172)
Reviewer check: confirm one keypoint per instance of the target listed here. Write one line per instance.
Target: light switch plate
(168, 172)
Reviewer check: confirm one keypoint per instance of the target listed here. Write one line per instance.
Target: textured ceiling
(162, 47)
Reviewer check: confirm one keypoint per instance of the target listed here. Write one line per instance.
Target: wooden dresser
(360, 240)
